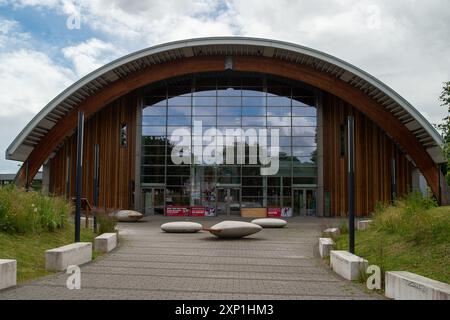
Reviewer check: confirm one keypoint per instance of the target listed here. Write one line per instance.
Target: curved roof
(89, 85)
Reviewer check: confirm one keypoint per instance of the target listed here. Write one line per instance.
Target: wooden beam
(66, 126)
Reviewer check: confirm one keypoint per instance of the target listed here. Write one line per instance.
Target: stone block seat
(60, 258)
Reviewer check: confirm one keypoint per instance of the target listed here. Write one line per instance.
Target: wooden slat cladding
(116, 162)
(373, 160)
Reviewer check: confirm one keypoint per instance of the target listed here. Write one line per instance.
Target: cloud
(29, 80)
(90, 55)
(404, 43)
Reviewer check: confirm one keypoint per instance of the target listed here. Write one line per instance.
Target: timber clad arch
(117, 163)
(390, 134)
(374, 154)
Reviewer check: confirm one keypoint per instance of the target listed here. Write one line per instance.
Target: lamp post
(351, 182)
(79, 174)
(96, 181)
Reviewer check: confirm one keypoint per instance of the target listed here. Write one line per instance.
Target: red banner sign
(198, 211)
(177, 211)
(274, 212)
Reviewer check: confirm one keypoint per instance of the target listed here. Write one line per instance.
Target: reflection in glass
(230, 102)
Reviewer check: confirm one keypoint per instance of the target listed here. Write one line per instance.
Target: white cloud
(90, 55)
(29, 80)
(405, 44)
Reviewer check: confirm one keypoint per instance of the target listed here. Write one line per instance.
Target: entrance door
(228, 201)
(305, 202)
(153, 201)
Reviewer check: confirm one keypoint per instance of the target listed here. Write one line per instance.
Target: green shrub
(106, 222)
(408, 218)
(31, 212)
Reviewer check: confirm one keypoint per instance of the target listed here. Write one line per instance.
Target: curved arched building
(134, 104)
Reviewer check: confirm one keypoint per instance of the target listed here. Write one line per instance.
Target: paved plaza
(150, 264)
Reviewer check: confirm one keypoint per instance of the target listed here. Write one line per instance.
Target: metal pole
(96, 180)
(79, 174)
(351, 183)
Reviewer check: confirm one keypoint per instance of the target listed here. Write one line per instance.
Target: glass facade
(229, 101)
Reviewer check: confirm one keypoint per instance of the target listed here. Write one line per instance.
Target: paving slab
(150, 264)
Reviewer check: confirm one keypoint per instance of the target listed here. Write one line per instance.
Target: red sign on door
(274, 212)
(198, 211)
(177, 211)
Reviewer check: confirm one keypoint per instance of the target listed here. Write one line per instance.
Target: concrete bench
(105, 242)
(332, 232)
(403, 285)
(325, 246)
(8, 273)
(347, 265)
(363, 224)
(59, 259)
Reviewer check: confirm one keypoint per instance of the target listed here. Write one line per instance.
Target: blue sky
(404, 43)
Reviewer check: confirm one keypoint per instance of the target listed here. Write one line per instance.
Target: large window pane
(153, 170)
(153, 131)
(304, 111)
(154, 150)
(254, 101)
(153, 121)
(229, 111)
(278, 102)
(179, 101)
(157, 160)
(204, 111)
(155, 110)
(180, 121)
(206, 121)
(229, 121)
(279, 121)
(304, 151)
(278, 111)
(253, 111)
(204, 101)
(304, 131)
(179, 111)
(229, 101)
(152, 179)
(254, 121)
(304, 121)
(304, 142)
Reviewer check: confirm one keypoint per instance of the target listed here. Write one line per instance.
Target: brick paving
(150, 264)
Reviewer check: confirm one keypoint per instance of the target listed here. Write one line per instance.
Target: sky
(46, 45)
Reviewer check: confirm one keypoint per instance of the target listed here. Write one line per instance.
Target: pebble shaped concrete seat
(270, 222)
(128, 216)
(181, 227)
(234, 229)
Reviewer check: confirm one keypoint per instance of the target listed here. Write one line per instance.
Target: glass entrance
(153, 201)
(305, 202)
(228, 201)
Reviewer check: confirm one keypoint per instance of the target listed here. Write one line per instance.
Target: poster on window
(177, 211)
(286, 212)
(198, 211)
(210, 211)
(274, 212)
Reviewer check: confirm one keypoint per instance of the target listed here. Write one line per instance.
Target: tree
(444, 127)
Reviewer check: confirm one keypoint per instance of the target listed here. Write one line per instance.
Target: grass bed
(29, 249)
(412, 235)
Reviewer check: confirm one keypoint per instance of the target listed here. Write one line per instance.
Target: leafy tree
(444, 127)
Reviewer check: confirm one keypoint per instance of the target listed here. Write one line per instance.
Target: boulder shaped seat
(181, 227)
(270, 222)
(128, 216)
(234, 229)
